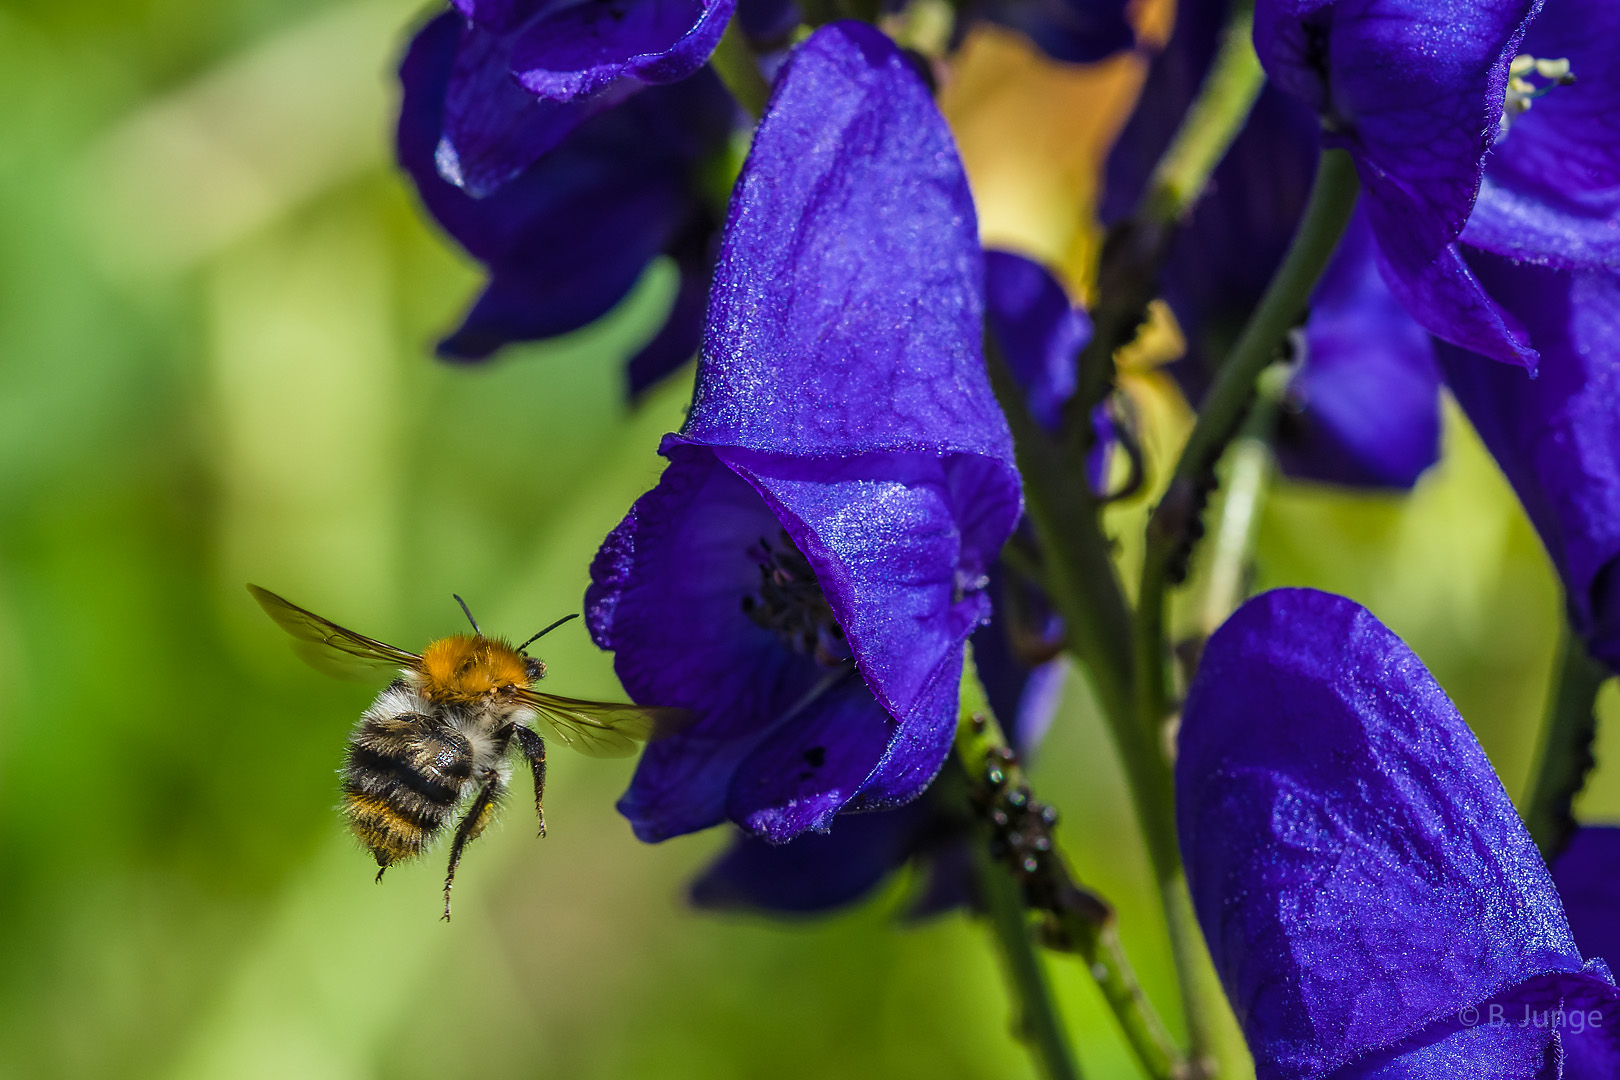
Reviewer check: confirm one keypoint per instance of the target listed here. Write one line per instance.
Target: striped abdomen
(402, 777)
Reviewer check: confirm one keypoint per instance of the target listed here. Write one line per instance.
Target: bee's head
(537, 668)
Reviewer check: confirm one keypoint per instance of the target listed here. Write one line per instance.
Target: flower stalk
(1566, 749)
(1127, 278)
(1037, 1022)
(1173, 524)
(1016, 856)
(734, 62)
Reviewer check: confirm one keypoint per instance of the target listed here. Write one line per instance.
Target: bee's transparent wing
(601, 728)
(325, 645)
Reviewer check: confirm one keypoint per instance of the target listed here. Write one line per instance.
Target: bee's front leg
(534, 748)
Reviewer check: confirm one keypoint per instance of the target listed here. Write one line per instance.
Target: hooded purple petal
(1414, 89)
(1359, 872)
(1557, 436)
(842, 417)
(567, 238)
(582, 48)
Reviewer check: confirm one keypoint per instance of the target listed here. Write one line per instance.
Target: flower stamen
(789, 603)
(1528, 79)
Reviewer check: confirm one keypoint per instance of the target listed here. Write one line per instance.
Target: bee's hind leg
(477, 816)
(534, 748)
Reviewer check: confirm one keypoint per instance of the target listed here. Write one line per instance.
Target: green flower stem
(1074, 920)
(1566, 748)
(1078, 572)
(1250, 468)
(738, 69)
(1171, 527)
(1213, 121)
(1038, 1023)
(1128, 277)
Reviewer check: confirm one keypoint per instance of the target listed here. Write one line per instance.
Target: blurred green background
(216, 301)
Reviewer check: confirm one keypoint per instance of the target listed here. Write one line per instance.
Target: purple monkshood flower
(1364, 407)
(1040, 333)
(1557, 436)
(805, 574)
(1433, 99)
(569, 237)
(1373, 904)
(524, 73)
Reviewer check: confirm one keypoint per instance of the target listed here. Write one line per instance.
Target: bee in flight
(436, 739)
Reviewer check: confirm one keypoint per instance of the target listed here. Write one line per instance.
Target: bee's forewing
(325, 645)
(601, 728)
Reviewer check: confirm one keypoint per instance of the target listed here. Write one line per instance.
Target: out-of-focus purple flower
(805, 574)
(1373, 904)
(527, 72)
(1038, 331)
(568, 237)
(1040, 334)
(1544, 245)
(1363, 408)
(1588, 879)
(1072, 31)
(1557, 436)
(1433, 101)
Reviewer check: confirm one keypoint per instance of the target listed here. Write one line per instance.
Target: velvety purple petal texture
(1414, 89)
(842, 416)
(569, 236)
(1557, 436)
(1359, 872)
(859, 328)
(1364, 409)
(580, 49)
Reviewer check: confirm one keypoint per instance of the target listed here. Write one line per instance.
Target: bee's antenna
(547, 630)
(470, 619)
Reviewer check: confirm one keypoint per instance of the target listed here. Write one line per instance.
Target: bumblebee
(436, 741)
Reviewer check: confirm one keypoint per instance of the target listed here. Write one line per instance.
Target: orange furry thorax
(467, 669)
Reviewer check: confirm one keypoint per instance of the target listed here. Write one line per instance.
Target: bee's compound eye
(534, 668)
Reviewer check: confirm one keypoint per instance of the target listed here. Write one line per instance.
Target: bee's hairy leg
(477, 816)
(534, 748)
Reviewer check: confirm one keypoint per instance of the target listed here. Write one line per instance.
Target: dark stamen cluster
(790, 604)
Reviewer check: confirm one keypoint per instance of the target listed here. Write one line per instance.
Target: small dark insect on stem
(546, 631)
(468, 612)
